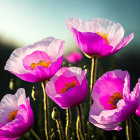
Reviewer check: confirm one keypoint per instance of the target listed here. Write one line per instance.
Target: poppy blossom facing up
(16, 116)
(37, 62)
(74, 57)
(113, 101)
(98, 37)
(68, 87)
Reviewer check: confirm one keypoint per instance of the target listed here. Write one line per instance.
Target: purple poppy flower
(98, 37)
(113, 101)
(16, 116)
(74, 57)
(68, 87)
(37, 62)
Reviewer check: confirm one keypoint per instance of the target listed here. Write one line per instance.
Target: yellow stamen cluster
(114, 99)
(104, 36)
(68, 85)
(40, 63)
(12, 115)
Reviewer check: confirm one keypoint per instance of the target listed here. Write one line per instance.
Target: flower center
(68, 86)
(12, 115)
(41, 63)
(114, 99)
(104, 36)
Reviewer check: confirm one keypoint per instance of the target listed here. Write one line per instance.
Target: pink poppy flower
(68, 87)
(98, 37)
(138, 111)
(74, 57)
(16, 116)
(113, 101)
(37, 62)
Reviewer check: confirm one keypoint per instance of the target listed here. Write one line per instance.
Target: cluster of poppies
(67, 86)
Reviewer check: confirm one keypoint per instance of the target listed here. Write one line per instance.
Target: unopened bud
(85, 67)
(55, 114)
(11, 84)
(69, 65)
(34, 93)
(64, 63)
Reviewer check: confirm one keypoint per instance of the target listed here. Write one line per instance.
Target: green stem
(35, 135)
(128, 129)
(46, 112)
(79, 107)
(78, 129)
(68, 123)
(93, 77)
(59, 129)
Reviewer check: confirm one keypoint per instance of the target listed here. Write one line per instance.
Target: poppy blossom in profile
(16, 116)
(37, 62)
(113, 102)
(98, 37)
(68, 87)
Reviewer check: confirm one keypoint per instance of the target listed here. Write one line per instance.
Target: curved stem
(35, 135)
(59, 129)
(68, 123)
(78, 129)
(93, 76)
(46, 112)
(80, 120)
(128, 129)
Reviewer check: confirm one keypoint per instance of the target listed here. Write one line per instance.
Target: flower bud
(11, 84)
(34, 93)
(55, 114)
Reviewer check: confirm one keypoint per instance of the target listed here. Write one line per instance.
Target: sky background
(27, 21)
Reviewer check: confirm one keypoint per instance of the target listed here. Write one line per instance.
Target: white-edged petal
(76, 23)
(21, 95)
(15, 62)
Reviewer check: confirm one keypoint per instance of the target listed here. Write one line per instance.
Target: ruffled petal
(51, 46)
(111, 117)
(92, 43)
(134, 96)
(69, 99)
(76, 23)
(21, 95)
(41, 73)
(108, 84)
(122, 44)
(22, 123)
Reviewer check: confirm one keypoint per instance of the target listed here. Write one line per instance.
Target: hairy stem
(59, 129)
(35, 135)
(128, 129)
(78, 129)
(93, 76)
(46, 112)
(67, 123)
(79, 108)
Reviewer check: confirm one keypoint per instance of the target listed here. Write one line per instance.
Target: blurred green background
(25, 22)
